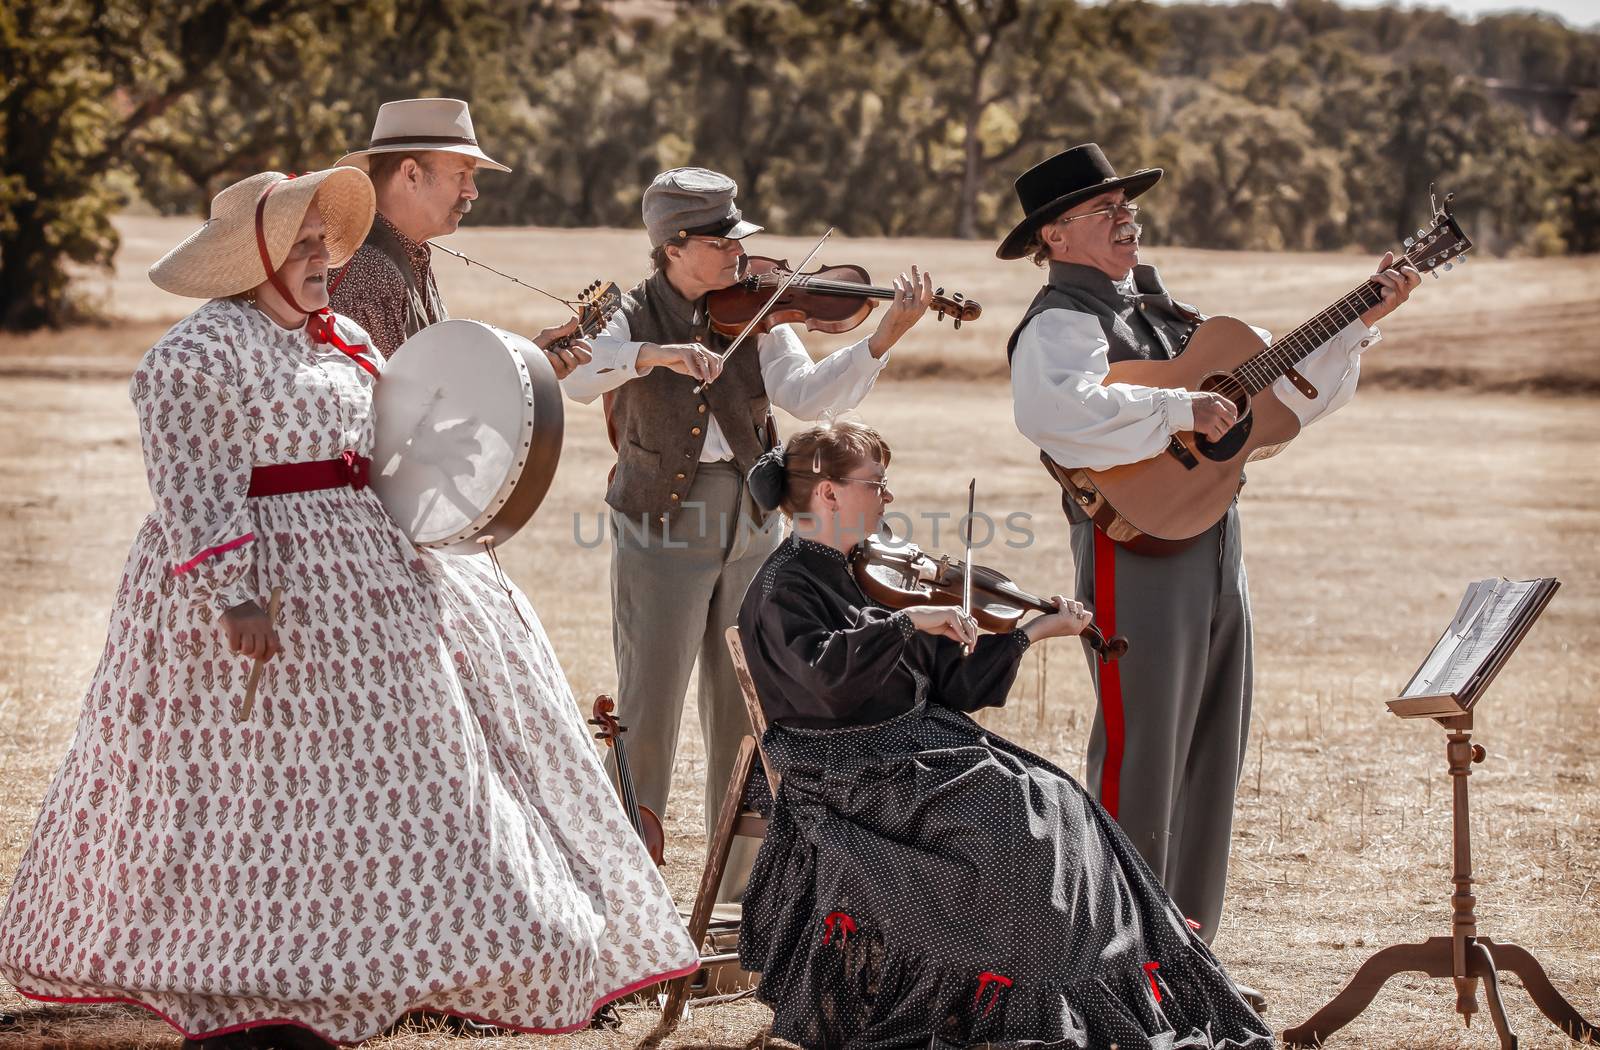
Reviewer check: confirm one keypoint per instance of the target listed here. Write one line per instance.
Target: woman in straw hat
(406, 812)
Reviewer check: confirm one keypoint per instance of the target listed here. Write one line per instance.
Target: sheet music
(1483, 620)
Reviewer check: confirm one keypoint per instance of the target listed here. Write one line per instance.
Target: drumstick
(255, 672)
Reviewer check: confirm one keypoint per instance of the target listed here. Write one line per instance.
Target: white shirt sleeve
(1061, 404)
(1333, 368)
(809, 389)
(615, 358)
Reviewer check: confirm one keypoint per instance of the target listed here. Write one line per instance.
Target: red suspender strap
(1105, 616)
(319, 325)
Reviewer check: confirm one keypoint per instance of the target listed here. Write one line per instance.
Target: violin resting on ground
(643, 818)
(829, 299)
(900, 575)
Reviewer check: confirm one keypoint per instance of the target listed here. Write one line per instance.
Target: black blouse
(823, 655)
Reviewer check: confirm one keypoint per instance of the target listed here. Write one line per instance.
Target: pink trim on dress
(578, 1026)
(212, 552)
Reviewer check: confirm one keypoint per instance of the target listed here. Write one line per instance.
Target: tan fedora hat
(412, 124)
(222, 258)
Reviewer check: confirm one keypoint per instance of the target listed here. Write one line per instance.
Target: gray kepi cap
(693, 201)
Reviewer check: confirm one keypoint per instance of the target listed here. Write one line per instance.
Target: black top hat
(1052, 186)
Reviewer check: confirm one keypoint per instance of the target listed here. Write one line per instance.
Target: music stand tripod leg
(1432, 957)
(1480, 963)
(1551, 1003)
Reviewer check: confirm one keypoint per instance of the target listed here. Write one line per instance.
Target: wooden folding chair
(720, 978)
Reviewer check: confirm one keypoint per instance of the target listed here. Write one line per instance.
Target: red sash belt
(279, 479)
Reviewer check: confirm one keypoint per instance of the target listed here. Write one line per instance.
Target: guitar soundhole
(1229, 387)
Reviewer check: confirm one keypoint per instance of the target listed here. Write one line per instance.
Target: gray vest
(1147, 323)
(658, 423)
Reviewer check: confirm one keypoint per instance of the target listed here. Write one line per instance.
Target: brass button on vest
(695, 431)
(680, 475)
(701, 410)
(674, 497)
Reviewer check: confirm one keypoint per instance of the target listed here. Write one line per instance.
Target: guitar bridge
(1180, 452)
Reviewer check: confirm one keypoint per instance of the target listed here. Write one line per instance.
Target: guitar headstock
(1440, 246)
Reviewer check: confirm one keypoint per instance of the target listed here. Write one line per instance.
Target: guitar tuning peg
(958, 323)
(938, 291)
(1410, 241)
(1449, 266)
(1434, 274)
(1421, 233)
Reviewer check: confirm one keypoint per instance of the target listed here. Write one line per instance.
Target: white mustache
(1125, 228)
(464, 207)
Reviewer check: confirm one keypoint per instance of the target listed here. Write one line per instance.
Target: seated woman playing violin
(924, 882)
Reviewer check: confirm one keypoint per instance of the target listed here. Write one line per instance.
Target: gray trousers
(675, 589)
(1168, 742)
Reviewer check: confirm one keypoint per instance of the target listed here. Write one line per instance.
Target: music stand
(1491, 622)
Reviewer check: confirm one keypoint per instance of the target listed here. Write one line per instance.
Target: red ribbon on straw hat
(319, 323)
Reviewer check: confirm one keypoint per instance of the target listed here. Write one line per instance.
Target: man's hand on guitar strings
(1214, 415)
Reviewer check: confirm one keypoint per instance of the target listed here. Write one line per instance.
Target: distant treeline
(1308, 126)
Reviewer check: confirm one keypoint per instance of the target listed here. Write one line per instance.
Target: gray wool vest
(1146, 323)
(657, 421)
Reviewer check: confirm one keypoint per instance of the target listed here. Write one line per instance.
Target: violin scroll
(955, 305)
(644, 819)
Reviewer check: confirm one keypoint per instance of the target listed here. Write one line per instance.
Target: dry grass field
(1359, 539)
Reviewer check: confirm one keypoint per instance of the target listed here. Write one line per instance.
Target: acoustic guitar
(1163, 504)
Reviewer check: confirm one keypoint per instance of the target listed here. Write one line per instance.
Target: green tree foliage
(56, 125)
(1302, 126)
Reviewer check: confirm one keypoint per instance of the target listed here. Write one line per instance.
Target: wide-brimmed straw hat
(222, 258)
(412, 124)
(1052, 186)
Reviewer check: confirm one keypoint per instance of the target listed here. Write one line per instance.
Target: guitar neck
(1262, 370)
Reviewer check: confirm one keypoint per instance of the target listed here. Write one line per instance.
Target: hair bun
(768, 478)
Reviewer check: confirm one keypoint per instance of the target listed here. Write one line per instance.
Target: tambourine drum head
(468, 421)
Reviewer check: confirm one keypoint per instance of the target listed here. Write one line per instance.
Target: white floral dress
(413, 815)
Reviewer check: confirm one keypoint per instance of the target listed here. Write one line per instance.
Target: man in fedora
(686, 536)
(423, 161)
(1169, 734)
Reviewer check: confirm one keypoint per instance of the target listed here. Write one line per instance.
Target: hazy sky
(1581, 13)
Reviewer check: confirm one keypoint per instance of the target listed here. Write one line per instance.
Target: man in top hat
(423, 161)
(1169, 735)
(686, 536)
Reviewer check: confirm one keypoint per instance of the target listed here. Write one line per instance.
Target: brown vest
(658, 423)
(423, 305)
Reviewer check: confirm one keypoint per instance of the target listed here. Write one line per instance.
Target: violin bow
(783, 287)
(966, 571)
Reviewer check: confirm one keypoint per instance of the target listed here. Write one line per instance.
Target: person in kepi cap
(1169, 737)
(686, 536)
(423, 160)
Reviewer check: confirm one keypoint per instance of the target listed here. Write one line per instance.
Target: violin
(828, 299)
(900, 575)
(644, 819)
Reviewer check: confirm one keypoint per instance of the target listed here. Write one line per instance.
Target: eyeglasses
(1110, 212)
(716, 244)
(881, 484)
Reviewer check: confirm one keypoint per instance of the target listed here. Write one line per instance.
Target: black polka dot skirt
(924, 883)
